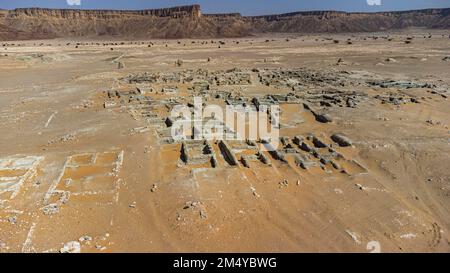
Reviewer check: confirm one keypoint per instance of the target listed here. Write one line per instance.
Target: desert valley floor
(87, 162)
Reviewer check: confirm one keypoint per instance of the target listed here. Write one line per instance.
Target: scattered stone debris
(132, 205)
(63, 139)
(408, 236)
(334, 97)
(399, 84)
(109, 104)
(139, 130)
(192, 204)
(154, 187)
(85, 104)
(340, 61)
(84, 239)
(196, 205)
(361, 187)
(104, 237)
(142, 78)
(12, 220)
(203, 214)
(179, 217)
(354, 236)
(254, 192)
(300, 78)
(100, 248)
(433, 122)
(147, 149)
(51, 209)
(391, 60)
(396, 99)
(71, 247)
(284, 183)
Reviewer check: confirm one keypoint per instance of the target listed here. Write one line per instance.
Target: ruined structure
(360, 154)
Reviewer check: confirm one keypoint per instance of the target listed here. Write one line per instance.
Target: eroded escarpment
(189, 22)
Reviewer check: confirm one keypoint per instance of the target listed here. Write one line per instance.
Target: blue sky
(246, 7)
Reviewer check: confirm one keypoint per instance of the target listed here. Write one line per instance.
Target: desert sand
(86, 163)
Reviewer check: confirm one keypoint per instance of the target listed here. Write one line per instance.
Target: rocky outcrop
(8, 33)
(188, 22)
(174, 12)
(336, 21)
(177, 22)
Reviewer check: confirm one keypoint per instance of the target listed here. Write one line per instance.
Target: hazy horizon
(249, 7)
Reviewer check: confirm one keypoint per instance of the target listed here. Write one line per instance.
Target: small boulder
(71, 247)
(343, 141)
(324, 118)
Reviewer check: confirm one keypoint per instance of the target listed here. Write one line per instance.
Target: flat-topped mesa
(188, 22)
(327, 14)
(339, 21)
(174, 12)
(223, 15)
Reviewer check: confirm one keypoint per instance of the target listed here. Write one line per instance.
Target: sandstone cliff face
(334, 21)
(175, 12)
(177, 22)
(188, 22)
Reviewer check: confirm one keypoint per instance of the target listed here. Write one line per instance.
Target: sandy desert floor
(80, 168)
